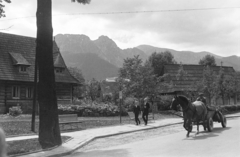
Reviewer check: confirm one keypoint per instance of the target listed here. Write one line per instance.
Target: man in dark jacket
(146, 107)
(202, 99)
(136, 111)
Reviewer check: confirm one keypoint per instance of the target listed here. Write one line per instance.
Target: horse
(195, 111)
(3, 145)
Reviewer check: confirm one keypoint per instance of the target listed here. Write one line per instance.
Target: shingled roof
(18, 50)
(194, 73)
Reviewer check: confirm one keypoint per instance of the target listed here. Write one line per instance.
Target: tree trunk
(49, 133)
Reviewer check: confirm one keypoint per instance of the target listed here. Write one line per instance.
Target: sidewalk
(81, 138)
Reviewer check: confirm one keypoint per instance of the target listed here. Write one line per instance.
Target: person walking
(146, 107)
(136, 111)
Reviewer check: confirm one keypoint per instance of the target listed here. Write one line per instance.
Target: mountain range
(102, 58)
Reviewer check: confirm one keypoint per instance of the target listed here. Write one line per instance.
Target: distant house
(193, 74)
(17, 60)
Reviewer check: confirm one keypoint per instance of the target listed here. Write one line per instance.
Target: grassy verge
(26, 146)
(16, 126)
(22, 125)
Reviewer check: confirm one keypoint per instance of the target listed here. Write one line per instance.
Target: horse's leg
(189, 127)
(197, 127)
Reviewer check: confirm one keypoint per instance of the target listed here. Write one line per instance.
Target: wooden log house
(193, 74)
(17, 63)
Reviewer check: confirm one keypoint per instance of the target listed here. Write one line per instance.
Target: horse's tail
(3, 145)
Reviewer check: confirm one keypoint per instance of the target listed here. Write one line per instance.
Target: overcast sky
(216, 30)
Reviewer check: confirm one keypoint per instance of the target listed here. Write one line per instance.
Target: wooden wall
(64, 95)
(2, 98)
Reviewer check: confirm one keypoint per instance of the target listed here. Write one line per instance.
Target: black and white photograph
(119, 78)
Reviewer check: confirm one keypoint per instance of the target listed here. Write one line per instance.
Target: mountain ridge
(107, 55)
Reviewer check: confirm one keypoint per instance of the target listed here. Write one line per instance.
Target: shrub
(92, 109)
(164, 102)
(230, 108)
(128, 103)
(15, 111)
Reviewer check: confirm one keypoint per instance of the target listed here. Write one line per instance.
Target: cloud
(216, 31)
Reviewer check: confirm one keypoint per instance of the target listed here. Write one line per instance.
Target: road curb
(82, 144)
(114, 134)
(87, 141)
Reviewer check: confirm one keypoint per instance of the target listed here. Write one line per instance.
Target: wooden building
(17, 60)
(192, 74)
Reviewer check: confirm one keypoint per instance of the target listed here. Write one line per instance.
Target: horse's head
(175, 103)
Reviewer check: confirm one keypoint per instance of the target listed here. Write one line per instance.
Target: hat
(146, 99)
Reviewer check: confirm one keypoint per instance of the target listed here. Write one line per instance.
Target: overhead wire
(128, 12)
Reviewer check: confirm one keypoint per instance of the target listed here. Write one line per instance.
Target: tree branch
(6, 29)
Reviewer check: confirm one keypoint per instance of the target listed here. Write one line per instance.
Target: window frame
(29, 91)
(16, 92)
(59, 70)
(22, 69)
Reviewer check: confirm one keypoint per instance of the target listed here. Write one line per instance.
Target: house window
(59, 70)
(22, 69)
(29, 92)
(16, 92)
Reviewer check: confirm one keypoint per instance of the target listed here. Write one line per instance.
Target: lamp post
(120, 102)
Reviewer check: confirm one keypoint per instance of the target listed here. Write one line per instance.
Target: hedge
(93, 110)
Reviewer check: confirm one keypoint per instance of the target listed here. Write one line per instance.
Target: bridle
(188, 108)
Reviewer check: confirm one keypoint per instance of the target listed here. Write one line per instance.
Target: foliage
(15, 111)
(208, 60)
(163, 102)
(181, 75)
(1, 8)
(227, 84)
(110, 90)
(157, 61)
(142, 81)
(82, 1)
(93, 89)
(207, 84)
(128, 103)
(90, 109)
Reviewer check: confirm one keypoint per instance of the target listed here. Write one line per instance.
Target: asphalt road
(221, 142)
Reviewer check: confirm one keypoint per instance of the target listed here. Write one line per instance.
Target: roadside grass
(26, 146)
(21, 125)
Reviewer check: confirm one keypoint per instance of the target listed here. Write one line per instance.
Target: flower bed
(94, 109)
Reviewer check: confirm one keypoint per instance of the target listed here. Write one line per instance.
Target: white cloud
(217, 31)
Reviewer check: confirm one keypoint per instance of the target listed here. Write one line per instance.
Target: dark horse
(192, 112)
